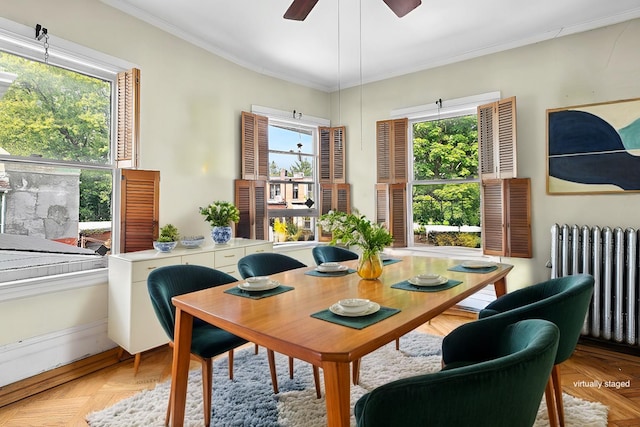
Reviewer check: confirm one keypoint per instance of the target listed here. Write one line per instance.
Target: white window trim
(20, 40)
(448, 108)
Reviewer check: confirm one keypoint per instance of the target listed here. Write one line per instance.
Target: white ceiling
(341, 44)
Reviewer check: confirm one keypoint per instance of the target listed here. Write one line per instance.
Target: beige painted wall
(596, 66)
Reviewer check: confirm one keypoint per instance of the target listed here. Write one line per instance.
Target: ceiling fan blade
(299, 9)
(402, 7)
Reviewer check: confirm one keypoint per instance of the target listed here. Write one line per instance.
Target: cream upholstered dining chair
(265, 264)
(563, 301)
(207, 340)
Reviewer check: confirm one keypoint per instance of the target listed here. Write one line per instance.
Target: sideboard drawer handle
(229, 256)
(151, 268)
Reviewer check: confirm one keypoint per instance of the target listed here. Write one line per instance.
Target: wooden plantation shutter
(255, 146)
(128, 119)
(332, 155)
(391, 150)
(391, 209)
(506, 218)
(333, 197)
(497, 139)
(506, 200)
(139, 202)
(251, 201)
(392, 176)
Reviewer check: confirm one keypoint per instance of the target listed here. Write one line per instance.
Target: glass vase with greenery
(356, 230)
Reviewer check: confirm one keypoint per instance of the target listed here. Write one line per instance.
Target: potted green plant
(167, 239)
(356, 230)
(220, 215)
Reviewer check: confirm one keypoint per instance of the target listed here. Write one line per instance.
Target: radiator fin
(612, 257)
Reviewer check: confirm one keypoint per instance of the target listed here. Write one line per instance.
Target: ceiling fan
(299, 9)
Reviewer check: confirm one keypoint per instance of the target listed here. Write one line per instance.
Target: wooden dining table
(283, 322)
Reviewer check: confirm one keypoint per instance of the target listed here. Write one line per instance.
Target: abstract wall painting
(594, 148)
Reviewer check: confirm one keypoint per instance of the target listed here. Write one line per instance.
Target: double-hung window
(57, 138)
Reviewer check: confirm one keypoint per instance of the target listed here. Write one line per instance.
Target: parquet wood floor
(67, 404)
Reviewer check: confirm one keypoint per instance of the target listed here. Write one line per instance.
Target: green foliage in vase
(220, 213)
(355, 230)
(168, 233)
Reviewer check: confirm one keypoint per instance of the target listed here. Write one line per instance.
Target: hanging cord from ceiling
(360, 66)
(43, 33)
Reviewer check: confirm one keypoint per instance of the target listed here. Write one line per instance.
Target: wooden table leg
(337, 393)
(180, 367)
(500, 286)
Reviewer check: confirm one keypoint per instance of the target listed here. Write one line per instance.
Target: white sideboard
(132, 323)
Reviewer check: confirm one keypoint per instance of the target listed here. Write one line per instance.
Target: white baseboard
(27, 358)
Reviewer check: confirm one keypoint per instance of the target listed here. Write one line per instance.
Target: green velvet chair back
(501, 387)
(563, 301)
(330, 253)
(266, 263)
(166, 282)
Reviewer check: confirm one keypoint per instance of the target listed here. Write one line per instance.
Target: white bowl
(354, 305)
(428, 278)
(258, 280)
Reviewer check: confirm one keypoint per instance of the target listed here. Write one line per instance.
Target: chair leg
(356, 371)
(557, 387)
(231, 364)
(272, 368)
(168, 416)
(551, 403)
(207, 385)
(291, 367)
(316, 380)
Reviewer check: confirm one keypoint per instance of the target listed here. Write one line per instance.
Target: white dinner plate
(439, 282)
(271, 284)
(336, 309)
(478, 264)
(338, 269)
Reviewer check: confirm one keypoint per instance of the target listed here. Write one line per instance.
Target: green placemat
(258, 294)
(390, 261)
(462, 269)
(329, 273)
(409, 287)
(356, 322)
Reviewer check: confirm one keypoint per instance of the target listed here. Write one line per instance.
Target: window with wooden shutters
(497, 139)
(255, 146)
(85, 143)
(391, 150)
(332, 155)
(506, 218)
(139, 202)
(128, 119)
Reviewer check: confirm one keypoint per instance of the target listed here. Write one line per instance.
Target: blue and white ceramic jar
(221, 234)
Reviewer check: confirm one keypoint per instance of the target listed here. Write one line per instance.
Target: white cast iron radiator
(611, 256)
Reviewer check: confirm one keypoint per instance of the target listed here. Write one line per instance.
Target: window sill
(56, 283)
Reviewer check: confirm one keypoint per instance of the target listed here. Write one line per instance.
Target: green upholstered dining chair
(494, 375)
(328, 253)
(207, 340)
(563, 301)
(265, 264)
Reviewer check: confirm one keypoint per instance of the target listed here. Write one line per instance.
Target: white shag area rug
(248, 400)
